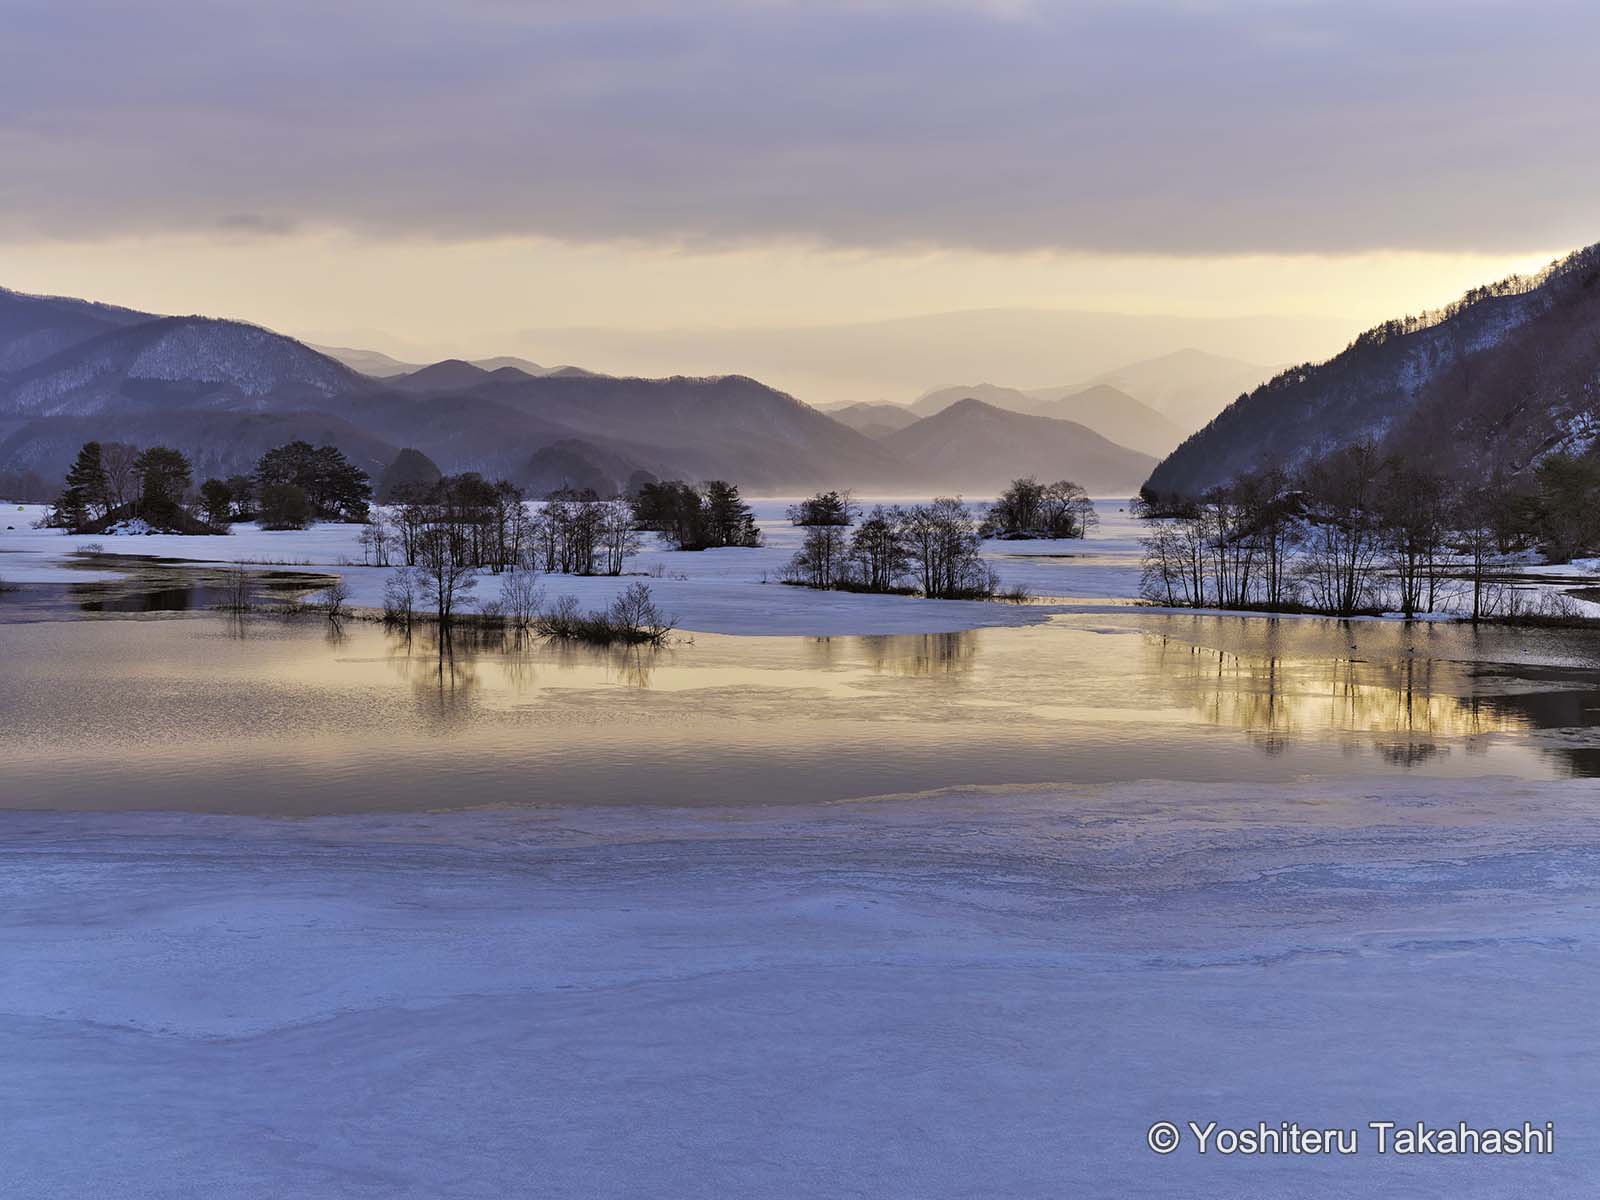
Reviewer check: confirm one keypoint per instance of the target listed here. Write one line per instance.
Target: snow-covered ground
(978, 994)
(714, 591)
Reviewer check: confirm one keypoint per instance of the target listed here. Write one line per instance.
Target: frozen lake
(842, 912)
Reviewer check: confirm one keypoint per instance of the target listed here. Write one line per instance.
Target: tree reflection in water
(906, 654)
(445, 670)
(1409, 706)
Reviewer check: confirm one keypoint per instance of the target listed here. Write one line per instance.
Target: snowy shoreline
(729, 591)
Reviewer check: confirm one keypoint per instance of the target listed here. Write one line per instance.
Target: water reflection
(267, 714)
(912, 655)
(156, 586)
(1385, 690)
(447, 673)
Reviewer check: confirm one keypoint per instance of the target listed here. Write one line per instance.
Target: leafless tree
(521, 598)
(878, 554)
(618, 537)
(636, 615)
(942, 543)
(377, 538)
(336, 599)
(122, 481)
(823, 560)
(400, 595)
(448, 577)
(235, 589)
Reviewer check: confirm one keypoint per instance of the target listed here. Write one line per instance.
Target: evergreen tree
(86, 496)
(164, 476)
(216, 502)
(335, 489)
(729, 520)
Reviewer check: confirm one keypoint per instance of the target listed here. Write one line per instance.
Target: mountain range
(382, 366)
(1107, 410)
(1191, 387)
(872, 361)
(223, 392)
(969, 444)
(1505, 376)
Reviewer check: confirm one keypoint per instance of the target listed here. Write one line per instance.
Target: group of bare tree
(928, 548)
(489, 527)
(1354, 532)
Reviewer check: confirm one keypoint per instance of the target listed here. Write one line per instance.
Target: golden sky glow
(425, 299)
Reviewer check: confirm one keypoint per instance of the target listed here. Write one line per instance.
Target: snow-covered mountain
(223, 391)
(1506, 375)
(178, 362)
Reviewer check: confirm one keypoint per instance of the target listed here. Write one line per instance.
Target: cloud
(1010, 125)
(254, 224)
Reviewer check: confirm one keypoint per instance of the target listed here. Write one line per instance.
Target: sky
(433, 177)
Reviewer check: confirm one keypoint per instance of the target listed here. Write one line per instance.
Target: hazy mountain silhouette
(1111, 413)
(223, 391)
(368, 362)
(1188, 386)
(978, 448)
(874, 420)
(383, 366)
(1501, 377)
(869, 360)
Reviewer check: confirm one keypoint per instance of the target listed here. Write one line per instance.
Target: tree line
(931, 549)
(292, 486)
(1360, 532)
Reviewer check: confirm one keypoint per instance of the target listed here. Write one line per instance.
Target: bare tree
(1343, 542)
(400, 594)
(121, 479)
(1477, 515)
(377, 538)
(878, 550)
(618, 538)
(823, 560)
(235, 589)
(636, 615)
(336, 599)
(448, 576)
(942, 543)
(521, 598)
(1411, 515)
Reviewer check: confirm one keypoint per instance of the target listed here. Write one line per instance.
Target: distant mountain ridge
(224, 391)
(1492, 383)
(1113, 414)
(383, 366)
(970, 444)
(32, 328)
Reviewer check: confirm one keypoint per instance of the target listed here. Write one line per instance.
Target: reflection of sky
(267, 715)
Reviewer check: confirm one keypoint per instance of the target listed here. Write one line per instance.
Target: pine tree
(729, 520)
(85, 497)
(164, 475)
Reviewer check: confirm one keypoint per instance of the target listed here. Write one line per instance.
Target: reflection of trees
(910, 654)
(631, 666)
(448, 669)
(442, 670)
(634, 664)
(1274, 694)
